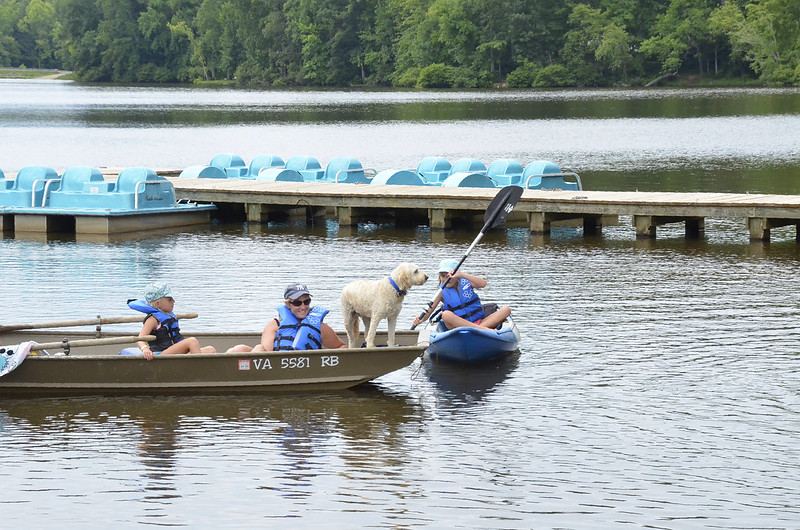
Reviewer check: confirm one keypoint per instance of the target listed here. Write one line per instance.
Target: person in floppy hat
(462, 306)
(162, 322)
(299, 325)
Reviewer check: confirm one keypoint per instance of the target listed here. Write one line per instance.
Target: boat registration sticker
(244, 364)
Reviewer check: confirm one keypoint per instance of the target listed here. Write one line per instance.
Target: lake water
(657, 383)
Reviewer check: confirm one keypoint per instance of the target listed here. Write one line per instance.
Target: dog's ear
(408, 272)
(402, 274)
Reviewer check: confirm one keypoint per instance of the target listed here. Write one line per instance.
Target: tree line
(406, 43)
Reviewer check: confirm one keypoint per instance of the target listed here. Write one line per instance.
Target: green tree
(327, 32)
(168, 38)
(101, 40)
(10, 14)
(76, 47)
(596, 49)
(409, 47)
(535, 30)
(39, 24)
(217, 38)
(682, 32)
(268, 54)
(451, 31)
(614, 50)
(766, 35)
(379, 39)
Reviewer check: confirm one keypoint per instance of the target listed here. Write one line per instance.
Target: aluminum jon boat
(470, 345)
(90, 367)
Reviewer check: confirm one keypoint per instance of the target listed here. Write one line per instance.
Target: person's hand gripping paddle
(502, 205)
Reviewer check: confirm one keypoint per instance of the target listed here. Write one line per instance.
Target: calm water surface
(657, 383)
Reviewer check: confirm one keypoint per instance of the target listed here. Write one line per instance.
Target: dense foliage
(423, 43)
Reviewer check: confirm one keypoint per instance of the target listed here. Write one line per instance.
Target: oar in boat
(502, 205)
(18, 352)
(67, 344)
(84, 322)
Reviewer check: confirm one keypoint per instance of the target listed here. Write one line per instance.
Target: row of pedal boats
(142, 190)
(431, 171)
(50, 362)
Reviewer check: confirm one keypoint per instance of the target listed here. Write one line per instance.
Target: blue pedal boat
(83, 202)
(468, 345)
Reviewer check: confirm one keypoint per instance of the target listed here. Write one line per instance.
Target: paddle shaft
(497, 211)
(85, 322)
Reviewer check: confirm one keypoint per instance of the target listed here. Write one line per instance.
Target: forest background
(407, 43)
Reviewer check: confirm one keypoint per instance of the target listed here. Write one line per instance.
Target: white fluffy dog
(374, 300)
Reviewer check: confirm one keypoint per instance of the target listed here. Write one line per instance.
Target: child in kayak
(462, 306)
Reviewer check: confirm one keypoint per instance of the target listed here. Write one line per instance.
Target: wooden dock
(440, 208)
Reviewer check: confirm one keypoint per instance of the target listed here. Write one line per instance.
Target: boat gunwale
(194, 356)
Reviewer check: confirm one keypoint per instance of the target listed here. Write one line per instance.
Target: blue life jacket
(463, 301)
(168, 333)
(294, 334)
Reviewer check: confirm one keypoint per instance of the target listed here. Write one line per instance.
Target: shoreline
(32, 73)
(689, 81)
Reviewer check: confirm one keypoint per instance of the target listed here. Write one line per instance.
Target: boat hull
(90, 372)
(473, 345)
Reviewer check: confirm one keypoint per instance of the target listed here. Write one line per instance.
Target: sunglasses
(298, 303)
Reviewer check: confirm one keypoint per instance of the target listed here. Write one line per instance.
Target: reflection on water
(167, 450)
(65, 103)
(468, 384)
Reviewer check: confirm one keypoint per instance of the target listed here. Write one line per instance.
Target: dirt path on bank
(14, 73)
(54, 76)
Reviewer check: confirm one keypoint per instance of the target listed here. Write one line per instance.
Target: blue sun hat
(447, 265)
(154, 291)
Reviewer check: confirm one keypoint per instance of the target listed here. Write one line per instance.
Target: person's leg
(496, 318)
(452, 321)
(187, 345)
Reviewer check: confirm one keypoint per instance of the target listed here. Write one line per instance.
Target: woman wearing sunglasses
(299, 325)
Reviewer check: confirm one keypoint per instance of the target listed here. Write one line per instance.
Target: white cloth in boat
(12, 356)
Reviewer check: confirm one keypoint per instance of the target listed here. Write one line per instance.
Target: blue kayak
(471, 345)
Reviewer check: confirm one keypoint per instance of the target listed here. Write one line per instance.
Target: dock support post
(32, 223)
(645, 226)
(538, 223)
(759, 228)
(257, 213)
(438, 220)
(592, 225)
(6, 224)
(345, 215)
(695, 227)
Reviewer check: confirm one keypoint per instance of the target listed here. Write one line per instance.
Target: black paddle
(502, 205)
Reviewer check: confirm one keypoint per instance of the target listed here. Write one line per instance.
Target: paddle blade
(502, 205)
